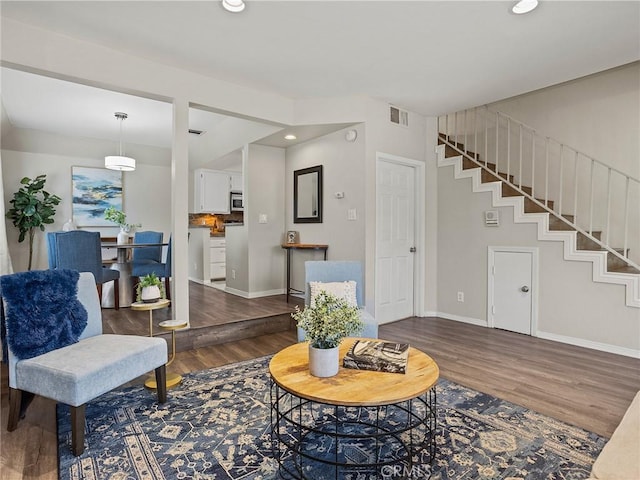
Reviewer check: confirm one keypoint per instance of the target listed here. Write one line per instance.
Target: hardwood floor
(583, 387)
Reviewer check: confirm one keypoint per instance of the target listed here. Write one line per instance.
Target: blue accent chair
(147, 254)
(162, 270)
(339, 271)
(82, 371)
(51, 250)
(80, 250)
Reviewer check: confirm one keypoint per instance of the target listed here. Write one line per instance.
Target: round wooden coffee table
(358, 422)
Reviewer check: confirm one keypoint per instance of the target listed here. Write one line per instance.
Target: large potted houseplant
(33, 208)
(326, 323)
(114, 215)
(150, 289)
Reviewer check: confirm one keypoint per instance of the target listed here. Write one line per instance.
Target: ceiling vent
(196, 132)
(399, 117)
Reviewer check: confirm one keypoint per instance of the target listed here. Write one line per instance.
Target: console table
(299, 246)
(358, 422)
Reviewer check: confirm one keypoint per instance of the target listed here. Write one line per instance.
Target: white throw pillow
(344, 290)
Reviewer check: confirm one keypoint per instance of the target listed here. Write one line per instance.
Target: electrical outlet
(352, 214)
(262, 218)
(461, 296)
(233, 274)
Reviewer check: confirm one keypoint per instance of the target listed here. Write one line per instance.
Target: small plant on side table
(150, 289)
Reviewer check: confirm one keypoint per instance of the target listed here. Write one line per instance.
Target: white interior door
(395, 237)
(512, 288)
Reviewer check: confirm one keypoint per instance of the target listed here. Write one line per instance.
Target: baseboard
(460, 318)
(580, 342)
(243, 294)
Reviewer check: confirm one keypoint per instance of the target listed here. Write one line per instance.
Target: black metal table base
(314, 440)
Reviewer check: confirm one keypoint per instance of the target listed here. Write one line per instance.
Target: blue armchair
(80, 250)
(78, 372)
(339, 271)
(162, 270)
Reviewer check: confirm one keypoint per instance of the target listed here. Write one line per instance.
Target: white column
(180, 209)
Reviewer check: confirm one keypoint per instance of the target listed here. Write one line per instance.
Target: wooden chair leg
(116, 294)
(99, 287)
(167, 287)
(135, 281)
(161, 383)
(77, 429)
(15, 399)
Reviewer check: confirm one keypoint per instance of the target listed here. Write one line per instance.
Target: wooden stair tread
(623, 269)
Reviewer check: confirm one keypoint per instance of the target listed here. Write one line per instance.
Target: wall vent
(196, 132)
(399, 117)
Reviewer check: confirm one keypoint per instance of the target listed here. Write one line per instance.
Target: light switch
(262, 218)
(352, 214)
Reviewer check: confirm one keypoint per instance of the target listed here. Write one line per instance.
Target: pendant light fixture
(120, 162)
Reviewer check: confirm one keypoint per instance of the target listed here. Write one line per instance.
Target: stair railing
(597, 200)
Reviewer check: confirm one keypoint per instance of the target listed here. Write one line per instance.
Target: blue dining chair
(162, 270)
(80, 250)
(147, 254)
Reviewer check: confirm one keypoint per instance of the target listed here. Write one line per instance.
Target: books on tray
(377, 355)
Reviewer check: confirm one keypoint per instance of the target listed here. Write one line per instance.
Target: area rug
(216, 425)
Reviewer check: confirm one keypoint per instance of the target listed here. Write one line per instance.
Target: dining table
(123, 265)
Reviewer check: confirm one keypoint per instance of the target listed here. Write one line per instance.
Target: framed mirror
(307, 195)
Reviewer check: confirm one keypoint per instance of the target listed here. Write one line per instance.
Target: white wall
(265, 172)
(343, 171)
(150, 207)
(598, 114)
(571, 307)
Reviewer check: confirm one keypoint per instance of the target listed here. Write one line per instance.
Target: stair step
(585, 243)
(558, 225)
(625, 269)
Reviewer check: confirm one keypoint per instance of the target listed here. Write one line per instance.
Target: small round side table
(150, 307)
(173, 325)
(142, 306)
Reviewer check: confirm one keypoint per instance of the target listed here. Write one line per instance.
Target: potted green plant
(150, 289)
(114, 215)
(33, 207)
(326, 324)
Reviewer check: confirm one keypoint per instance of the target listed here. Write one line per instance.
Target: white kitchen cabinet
(236, 182)
(211, 191)
(217, 258)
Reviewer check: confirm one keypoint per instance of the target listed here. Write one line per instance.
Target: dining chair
(80, 250)
(162, 270)
(144, 255)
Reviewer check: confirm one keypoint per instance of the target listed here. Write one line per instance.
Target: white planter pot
(150, 294)
(123, 237)
(323, 362)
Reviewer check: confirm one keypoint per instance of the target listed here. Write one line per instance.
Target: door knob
(412, 249)
(525, 289)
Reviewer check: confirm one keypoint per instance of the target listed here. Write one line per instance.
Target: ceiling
(429, 57)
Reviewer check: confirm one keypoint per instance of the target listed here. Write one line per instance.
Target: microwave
(237, 204)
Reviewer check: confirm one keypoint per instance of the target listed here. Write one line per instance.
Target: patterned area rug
(216, 425)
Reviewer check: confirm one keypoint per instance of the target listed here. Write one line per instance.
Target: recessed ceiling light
(290, 136)
(524, 6)
(234, 6)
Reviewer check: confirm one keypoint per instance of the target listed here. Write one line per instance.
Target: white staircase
(452, 153)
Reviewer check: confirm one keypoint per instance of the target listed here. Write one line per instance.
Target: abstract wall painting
(94, 190)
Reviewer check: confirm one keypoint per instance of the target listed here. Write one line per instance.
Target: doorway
(512, 299)
(398, 232)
